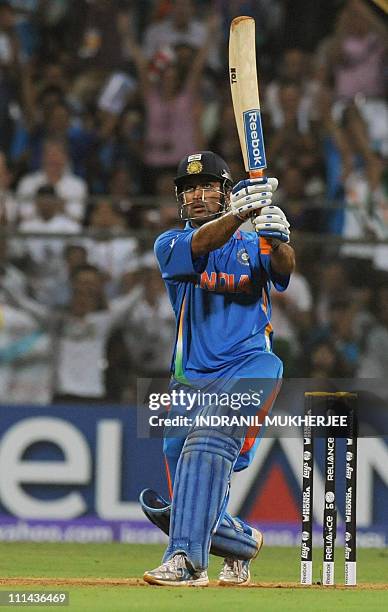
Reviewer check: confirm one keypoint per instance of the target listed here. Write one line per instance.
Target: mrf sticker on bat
(254, 139)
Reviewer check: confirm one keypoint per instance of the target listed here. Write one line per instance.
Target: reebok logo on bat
(254, 140)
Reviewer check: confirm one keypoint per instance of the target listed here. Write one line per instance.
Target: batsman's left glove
(272, 223)
(251, 195)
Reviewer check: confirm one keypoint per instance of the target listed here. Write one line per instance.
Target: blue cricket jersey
(221, 302)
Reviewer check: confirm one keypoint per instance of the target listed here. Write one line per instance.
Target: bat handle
(265, 246)
(256, 173)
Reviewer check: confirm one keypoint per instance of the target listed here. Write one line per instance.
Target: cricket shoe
(177, 571)
(236, 571)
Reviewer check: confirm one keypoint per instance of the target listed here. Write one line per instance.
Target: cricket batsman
(219, 280)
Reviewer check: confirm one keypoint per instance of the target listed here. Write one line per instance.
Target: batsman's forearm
(283, 259)
(214, 234)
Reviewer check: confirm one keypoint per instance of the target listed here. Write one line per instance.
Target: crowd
(99, 100)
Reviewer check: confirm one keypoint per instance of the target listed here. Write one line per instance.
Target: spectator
(128, 147)
(225, 140)
(25, 353)
(9, 39)
(55, 172)
(102, 48)
(304, 212)
(109, 253)
(45, 254)
(295, 86)
(36, 22)
(292, 129)
(168, 210)
(365, 194)
(292, 319)
(340, 332)
(59, 125)
(50, 215)
(53, 76)
(336, 154)
(332, 281)
(79, 335)
(74, 256)
(122, 189)
(180, 27)
(325, 362)
(357, 52)
(150, 324)
(310, 161)
(87, 324)
(374, 360)
(173, 109)
(10, 58)
(8, 203)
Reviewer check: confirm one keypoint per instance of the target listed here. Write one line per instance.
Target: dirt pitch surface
(130, 582)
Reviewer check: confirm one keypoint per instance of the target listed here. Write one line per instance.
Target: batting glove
(272, 223)
(250, 195)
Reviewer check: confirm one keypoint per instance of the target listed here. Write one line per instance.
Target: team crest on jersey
(194, 167)
(243, 257)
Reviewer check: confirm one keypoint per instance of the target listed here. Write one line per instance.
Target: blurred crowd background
(100, 99)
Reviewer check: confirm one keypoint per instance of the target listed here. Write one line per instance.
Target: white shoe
(235, 572)
(177, 571)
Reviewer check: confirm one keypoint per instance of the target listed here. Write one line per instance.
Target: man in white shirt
(55, 172)
(80, 333)
(292, 317)
(150, 325)
(25, 351)
(46, 254)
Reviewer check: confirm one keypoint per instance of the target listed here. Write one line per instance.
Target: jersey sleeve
(173, 252)
(279, 281)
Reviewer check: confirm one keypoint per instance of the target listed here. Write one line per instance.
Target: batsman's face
(201, 200)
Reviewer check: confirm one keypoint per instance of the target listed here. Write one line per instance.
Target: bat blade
(245, 93)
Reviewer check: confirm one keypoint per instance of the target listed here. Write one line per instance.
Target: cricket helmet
(203, 164)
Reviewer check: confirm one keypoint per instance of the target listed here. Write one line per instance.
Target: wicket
(331, 400)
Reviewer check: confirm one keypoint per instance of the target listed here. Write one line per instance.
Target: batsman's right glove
(251, 195)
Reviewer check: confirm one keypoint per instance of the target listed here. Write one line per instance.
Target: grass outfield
(102, 577)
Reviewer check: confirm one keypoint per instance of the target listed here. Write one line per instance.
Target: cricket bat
(245, 96)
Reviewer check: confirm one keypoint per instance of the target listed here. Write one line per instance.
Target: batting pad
(232, 538)
(201, 487)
